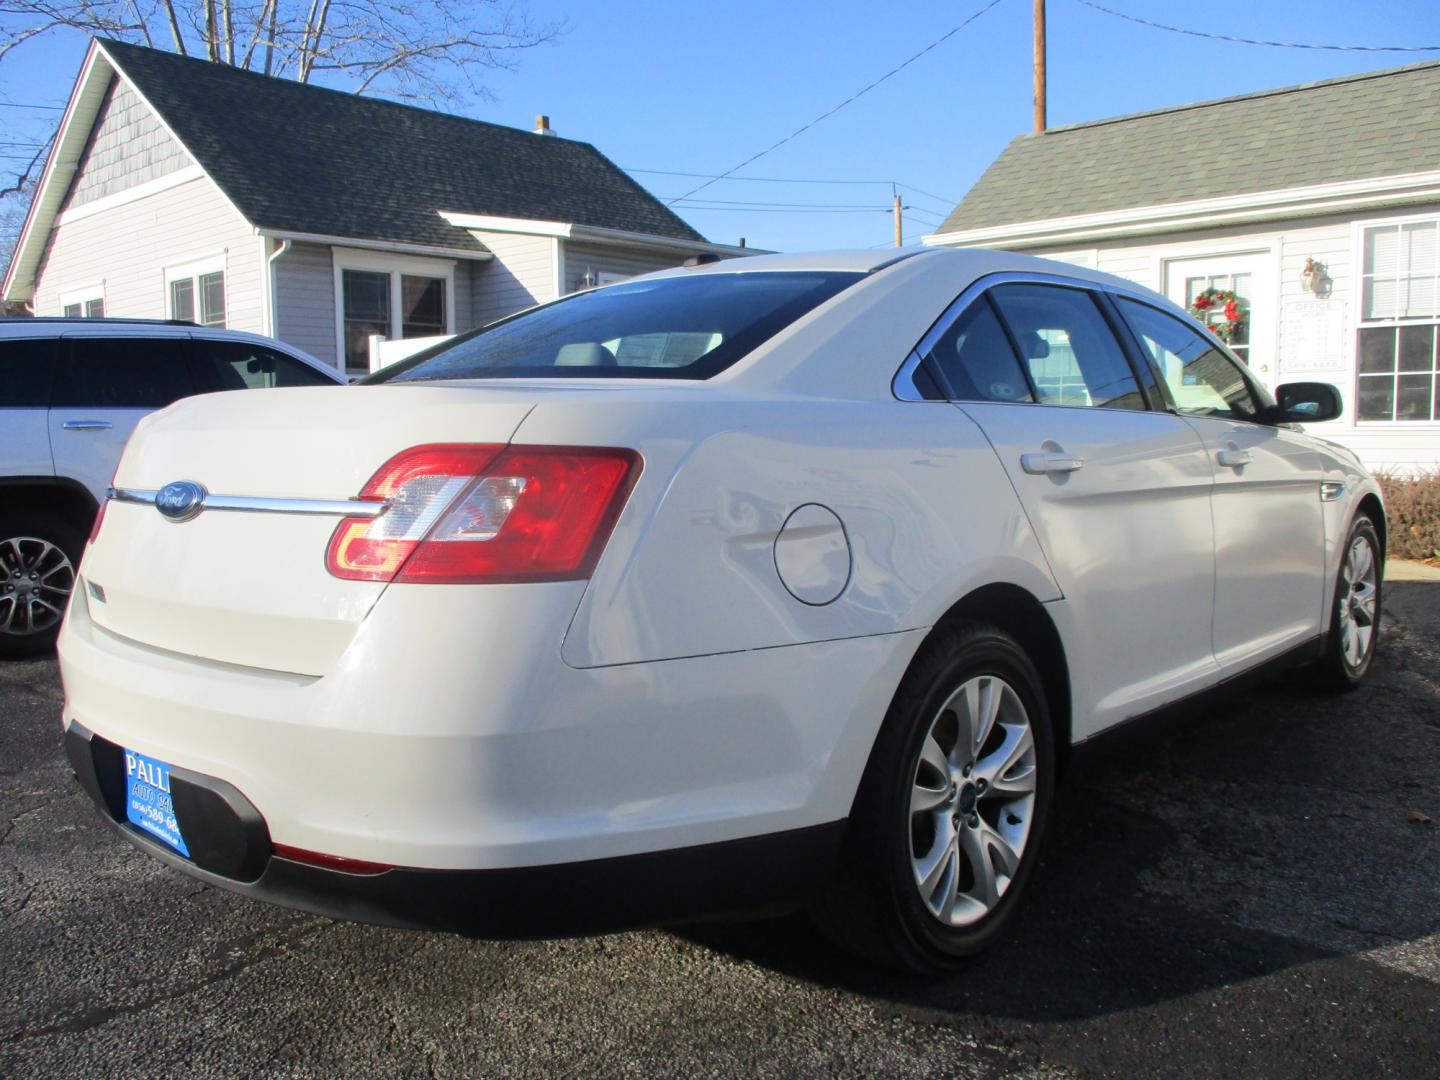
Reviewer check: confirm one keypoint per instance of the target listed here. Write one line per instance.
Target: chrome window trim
(251, 504)
(902, 386)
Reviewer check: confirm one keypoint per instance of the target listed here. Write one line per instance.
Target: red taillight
(99, 520)
(330, 862)
(463, 514)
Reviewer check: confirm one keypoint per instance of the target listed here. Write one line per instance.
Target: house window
(196, 292)
(1398, 376)
(393, 298)
(87, 303)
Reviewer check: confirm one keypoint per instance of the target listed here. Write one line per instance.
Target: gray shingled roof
(1384, 123)
(305, 159)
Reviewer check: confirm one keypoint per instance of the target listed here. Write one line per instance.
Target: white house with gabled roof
(1318, 205)
(180, 188)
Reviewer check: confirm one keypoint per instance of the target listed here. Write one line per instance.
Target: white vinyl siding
(129, 247)
(305, 299)
(597, 260)
(521, 275)
(128, 147)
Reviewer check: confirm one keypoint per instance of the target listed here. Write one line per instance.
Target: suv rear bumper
(231, 849)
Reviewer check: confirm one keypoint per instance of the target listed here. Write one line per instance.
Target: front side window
(1398, 369)
(239, 365)
(674, 328)
(1068, 348)
(1202, 380)
(26, 368)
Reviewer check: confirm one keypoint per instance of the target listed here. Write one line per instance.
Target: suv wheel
(38, 556)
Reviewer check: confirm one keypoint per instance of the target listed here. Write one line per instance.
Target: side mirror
(1306, 403)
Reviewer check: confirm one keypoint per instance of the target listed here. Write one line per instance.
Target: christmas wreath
(1220, 310)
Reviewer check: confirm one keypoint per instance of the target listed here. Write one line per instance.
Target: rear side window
(239, 365)
(26, 370)
(974, 356)
(669, 328)
(1072, 356)
(1202, 380)
(125, 373)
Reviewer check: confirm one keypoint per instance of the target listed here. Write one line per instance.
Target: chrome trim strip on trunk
(253, 504)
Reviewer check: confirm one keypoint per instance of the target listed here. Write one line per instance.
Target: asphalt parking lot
(1249, 890)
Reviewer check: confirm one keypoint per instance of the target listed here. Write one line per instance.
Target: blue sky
(687, 87)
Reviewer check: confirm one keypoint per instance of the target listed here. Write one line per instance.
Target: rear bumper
(231, 849)
(479, 749)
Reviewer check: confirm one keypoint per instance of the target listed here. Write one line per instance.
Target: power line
(792, 180)
(808, 206)
(927, 194)
(801, 130)
(17, 105)
(1255, 41)
(774, 210)
(758, 179)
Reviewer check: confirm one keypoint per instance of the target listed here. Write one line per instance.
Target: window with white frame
(86, 303)
(393, 297)
(195, 292)
(1398, 374)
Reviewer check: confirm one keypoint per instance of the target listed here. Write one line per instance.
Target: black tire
(875, 907)
(1335, 671)
(34, 542)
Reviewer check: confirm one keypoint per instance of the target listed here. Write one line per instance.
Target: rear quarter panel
(690, 569)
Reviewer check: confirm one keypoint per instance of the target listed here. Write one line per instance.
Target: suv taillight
(466, 513)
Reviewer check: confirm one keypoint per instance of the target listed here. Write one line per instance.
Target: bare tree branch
(24, 178)
(175, 34)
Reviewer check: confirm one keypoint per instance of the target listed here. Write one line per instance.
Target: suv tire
(39, 554)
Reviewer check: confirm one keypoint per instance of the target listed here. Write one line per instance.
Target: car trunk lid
(249, 586)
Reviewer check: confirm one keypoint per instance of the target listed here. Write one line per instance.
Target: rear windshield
(669, 328)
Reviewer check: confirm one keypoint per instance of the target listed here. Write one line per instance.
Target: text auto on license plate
(147, 799)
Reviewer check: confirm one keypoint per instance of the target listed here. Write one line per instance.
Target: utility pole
(1039, 65)
(899, 236)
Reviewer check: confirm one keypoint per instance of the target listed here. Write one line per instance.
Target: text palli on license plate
(148, 804)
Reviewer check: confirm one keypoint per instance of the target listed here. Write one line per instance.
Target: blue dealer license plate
(147, 799)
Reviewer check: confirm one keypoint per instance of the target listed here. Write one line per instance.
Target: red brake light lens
(464, 514)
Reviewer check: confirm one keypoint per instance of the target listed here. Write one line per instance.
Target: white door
(1119, 497)
(1251, 278)
(106, 385)
(1269, 526)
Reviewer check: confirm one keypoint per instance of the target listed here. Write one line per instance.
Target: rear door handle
(87, 425)
(1232, 457)
(1050, 462)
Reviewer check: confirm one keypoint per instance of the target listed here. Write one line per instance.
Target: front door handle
(1233, 457)
(87, 425)
(1050, 462)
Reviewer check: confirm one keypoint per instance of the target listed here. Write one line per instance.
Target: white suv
(781, 581)
(71, 391)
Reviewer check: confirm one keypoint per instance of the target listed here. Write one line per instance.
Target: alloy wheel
(36, 579)
(1359, 583)
(972, 801)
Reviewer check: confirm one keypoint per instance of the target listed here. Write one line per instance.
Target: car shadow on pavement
(1275, 830)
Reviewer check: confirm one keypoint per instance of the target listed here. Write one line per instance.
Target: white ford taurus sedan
(780, 582)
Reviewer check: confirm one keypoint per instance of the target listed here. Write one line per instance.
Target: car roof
(969, 263)
(49, 326)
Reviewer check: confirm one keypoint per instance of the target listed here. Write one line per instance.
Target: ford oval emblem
(180, 500)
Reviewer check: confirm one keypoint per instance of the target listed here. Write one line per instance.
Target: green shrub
(1412, 505)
